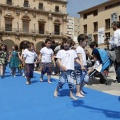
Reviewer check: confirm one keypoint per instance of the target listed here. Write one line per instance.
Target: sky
(75, 6)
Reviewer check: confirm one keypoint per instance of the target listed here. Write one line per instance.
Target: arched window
(26, 21)
(57, 27)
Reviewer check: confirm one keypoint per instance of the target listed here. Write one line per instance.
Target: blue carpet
(19, 101)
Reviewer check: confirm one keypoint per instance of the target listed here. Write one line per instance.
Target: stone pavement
(113, 89)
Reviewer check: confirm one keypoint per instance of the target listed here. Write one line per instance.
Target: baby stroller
(105, 63)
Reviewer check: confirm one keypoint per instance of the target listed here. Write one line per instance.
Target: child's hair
(47, 40)
(93, 44)
(16, 47)
(82, 37)
(30, 45)
(66, 40)
(96, 56)
(116, 23)
(3, 44)
(42, 44)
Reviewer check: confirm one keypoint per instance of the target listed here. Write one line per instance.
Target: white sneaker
(23, 74)
(53, 73)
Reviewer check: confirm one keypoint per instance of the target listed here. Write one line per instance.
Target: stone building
(96, 21)
(32, 20)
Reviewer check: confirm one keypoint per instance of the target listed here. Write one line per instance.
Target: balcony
(31, 32)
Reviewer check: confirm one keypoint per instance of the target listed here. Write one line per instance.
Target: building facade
(32, 20)
(96, 21)
(73, 27)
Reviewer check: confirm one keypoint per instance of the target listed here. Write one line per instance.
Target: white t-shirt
(46, 54)
(25, 50)
(115, 41)
(96, 64)
(67, 58)
(30, 56)
(80, 50)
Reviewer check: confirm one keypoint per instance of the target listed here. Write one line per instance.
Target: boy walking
(29, 57)
(46, 57)
(65, 58)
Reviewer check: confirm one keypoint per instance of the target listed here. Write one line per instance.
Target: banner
(101, 35)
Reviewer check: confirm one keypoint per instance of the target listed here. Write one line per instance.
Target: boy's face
(3, 47)
(48, 44)
(31, 48)
(84, 43)
(66, 46)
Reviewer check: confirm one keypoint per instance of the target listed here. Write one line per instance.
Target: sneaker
(53, 73)
(27, 83)
(23, 74)
(41, 79)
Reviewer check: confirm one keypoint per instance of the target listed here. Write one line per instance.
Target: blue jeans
(66, 76)
(85, 76)
(78, 75)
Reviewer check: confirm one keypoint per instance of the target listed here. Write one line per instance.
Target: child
(22, 55)
(14, 59)
(46, 57)
(81, 75)
(96, 64)
(3, 59)
(65, 58)
(29, 57)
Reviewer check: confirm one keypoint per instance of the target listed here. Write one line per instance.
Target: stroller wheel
(90, 82)
(108, 82)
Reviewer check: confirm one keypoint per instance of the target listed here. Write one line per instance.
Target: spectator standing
(115, 42)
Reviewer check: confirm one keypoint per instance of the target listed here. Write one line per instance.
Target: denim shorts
(78, 75)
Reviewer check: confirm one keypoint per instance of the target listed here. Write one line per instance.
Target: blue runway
(19, 101)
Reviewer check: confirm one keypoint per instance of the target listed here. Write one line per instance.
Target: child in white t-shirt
(81, 75)
(66, 58)
(29, 57)
(46, 57)
(96, 64)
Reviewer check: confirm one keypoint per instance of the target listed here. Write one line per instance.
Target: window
(95, 26)
(95, 38)
(41, 28)
(112, 5)
(40, 6)
(25, 26)
(107, 23)
(95, 12)
(107, 35)
(85, 16)
(56, 8)
(26, 3)
(57, 29)
(8, 25)
(85, 29)
(9, 2)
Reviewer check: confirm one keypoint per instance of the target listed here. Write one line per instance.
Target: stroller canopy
(103, 57)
